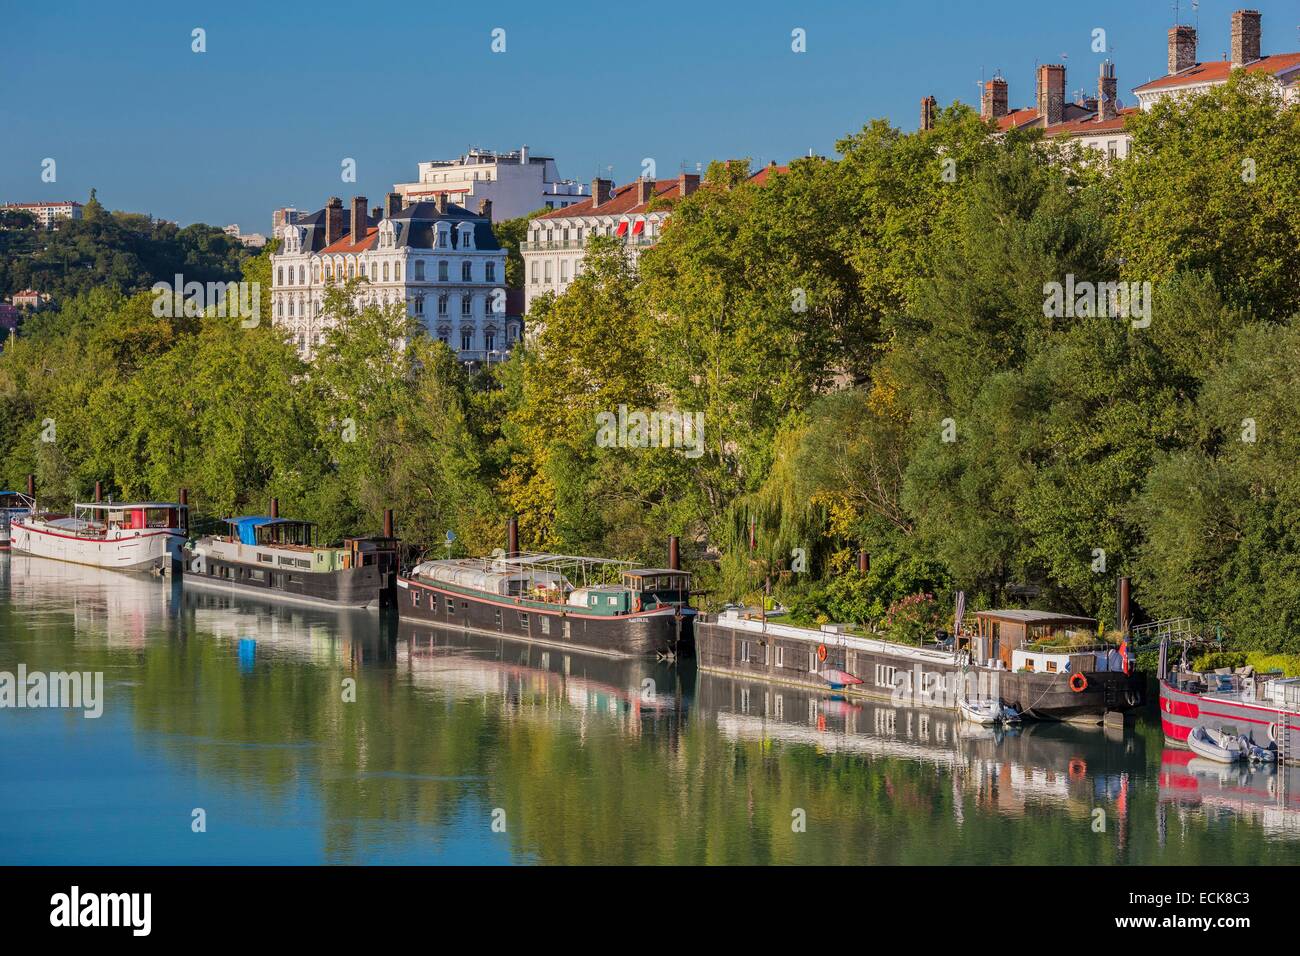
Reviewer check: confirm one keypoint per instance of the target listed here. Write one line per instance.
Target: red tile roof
(1090, 125)
(346, 246)
(1017, 118)
(1216, 71)
(762, 176)
(622, 201)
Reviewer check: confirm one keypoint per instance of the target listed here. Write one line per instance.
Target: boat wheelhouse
(126, 536)
(12, 505)
(280, 557)
(594, 604)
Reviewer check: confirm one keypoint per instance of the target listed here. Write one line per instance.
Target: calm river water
(240, 731)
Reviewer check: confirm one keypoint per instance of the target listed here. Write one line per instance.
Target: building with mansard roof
(438, 260)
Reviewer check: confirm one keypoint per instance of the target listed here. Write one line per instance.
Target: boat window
(1051, 667)
(415, 597)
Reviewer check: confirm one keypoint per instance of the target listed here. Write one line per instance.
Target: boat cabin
(998, 635)
(267, 532)
(14, 501)
(109, 516)
(655, 587)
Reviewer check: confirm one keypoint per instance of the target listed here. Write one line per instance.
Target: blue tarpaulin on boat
(246, 528)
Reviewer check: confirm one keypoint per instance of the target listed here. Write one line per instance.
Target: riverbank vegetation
(867, 342)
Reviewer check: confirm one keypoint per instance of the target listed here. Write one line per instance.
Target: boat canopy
(494, 577)
(263, 529)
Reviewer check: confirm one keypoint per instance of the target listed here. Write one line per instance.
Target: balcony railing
(559, 245)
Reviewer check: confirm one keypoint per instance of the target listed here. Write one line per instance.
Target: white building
(253, 240)
(557, 241)
(441, 261)
(47, 213)
(1187, 76)
(516, 183)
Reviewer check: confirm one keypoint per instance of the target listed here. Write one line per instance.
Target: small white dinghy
(1215, 745)
(982, 712)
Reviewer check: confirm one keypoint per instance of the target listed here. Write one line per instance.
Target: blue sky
(287, 90)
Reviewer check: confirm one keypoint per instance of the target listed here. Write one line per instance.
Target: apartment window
(374, 271)
(489, 341)
(419, 270)
(490, 272)
(419, 305)
(533, 275)
(564, 270)
(579, 234)
(466, 305)
(547, 271)
(467, 271)
(466, 340)
(1112, 149)
(397, 272)
(352, 270)
(279, 276)
(385, 271)
(442, 304)
(302, 275)
(443, 274)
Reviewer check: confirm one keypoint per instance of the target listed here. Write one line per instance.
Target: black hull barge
(274, 557)
(608, 607)
(1083, 685)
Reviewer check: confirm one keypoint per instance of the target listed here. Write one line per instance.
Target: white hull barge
(130, 536)
(12, 506)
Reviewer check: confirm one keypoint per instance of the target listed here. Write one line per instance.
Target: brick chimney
(1107, 93)
(687, 183)
(333, 220)
(1182, 48)
(1051, 93)
(357, 224)
(376, 212)
(929, 107)
(392, 204)
(441, 202)
(600, 190)
(645, 188)
(1245, 37)
(993, 103)
(485, 208)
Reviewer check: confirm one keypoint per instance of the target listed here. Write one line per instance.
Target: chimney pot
(645, 190)
(1051, 93)
(1107, 93)
(392, 204)
(1182, 48)
(600, 191)
(1245, 37)
(442, 202)
(929, 108)
(333, 220)
(687, 183)
(485, 208)
(357, 223)
(993, 104)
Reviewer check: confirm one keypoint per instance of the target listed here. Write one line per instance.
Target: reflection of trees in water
(587, 773)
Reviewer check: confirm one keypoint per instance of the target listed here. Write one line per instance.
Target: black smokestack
(31, 486)
(674, 554)
(388, 523)
(185, 496)
(1124, 612)
(512, 537)
(275, 507)
(99, 491)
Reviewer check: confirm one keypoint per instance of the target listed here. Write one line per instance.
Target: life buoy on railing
(1078, 683)
(1272, 732)
(821, 652)
(1078, 769)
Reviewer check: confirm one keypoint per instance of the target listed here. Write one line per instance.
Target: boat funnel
(674, 554)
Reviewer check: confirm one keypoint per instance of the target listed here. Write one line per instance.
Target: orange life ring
(636, 604)
(1078, 769)
(821, 652)
(1078, 683)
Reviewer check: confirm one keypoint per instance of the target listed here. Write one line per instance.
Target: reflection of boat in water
(305, 632)
(125, 607)
(1267, 794)
(462, 663)
(1007, 769)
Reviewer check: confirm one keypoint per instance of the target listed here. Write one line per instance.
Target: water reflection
(341, 736)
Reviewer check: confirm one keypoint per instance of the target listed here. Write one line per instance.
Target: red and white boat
(126, 536)
(1262, 707)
